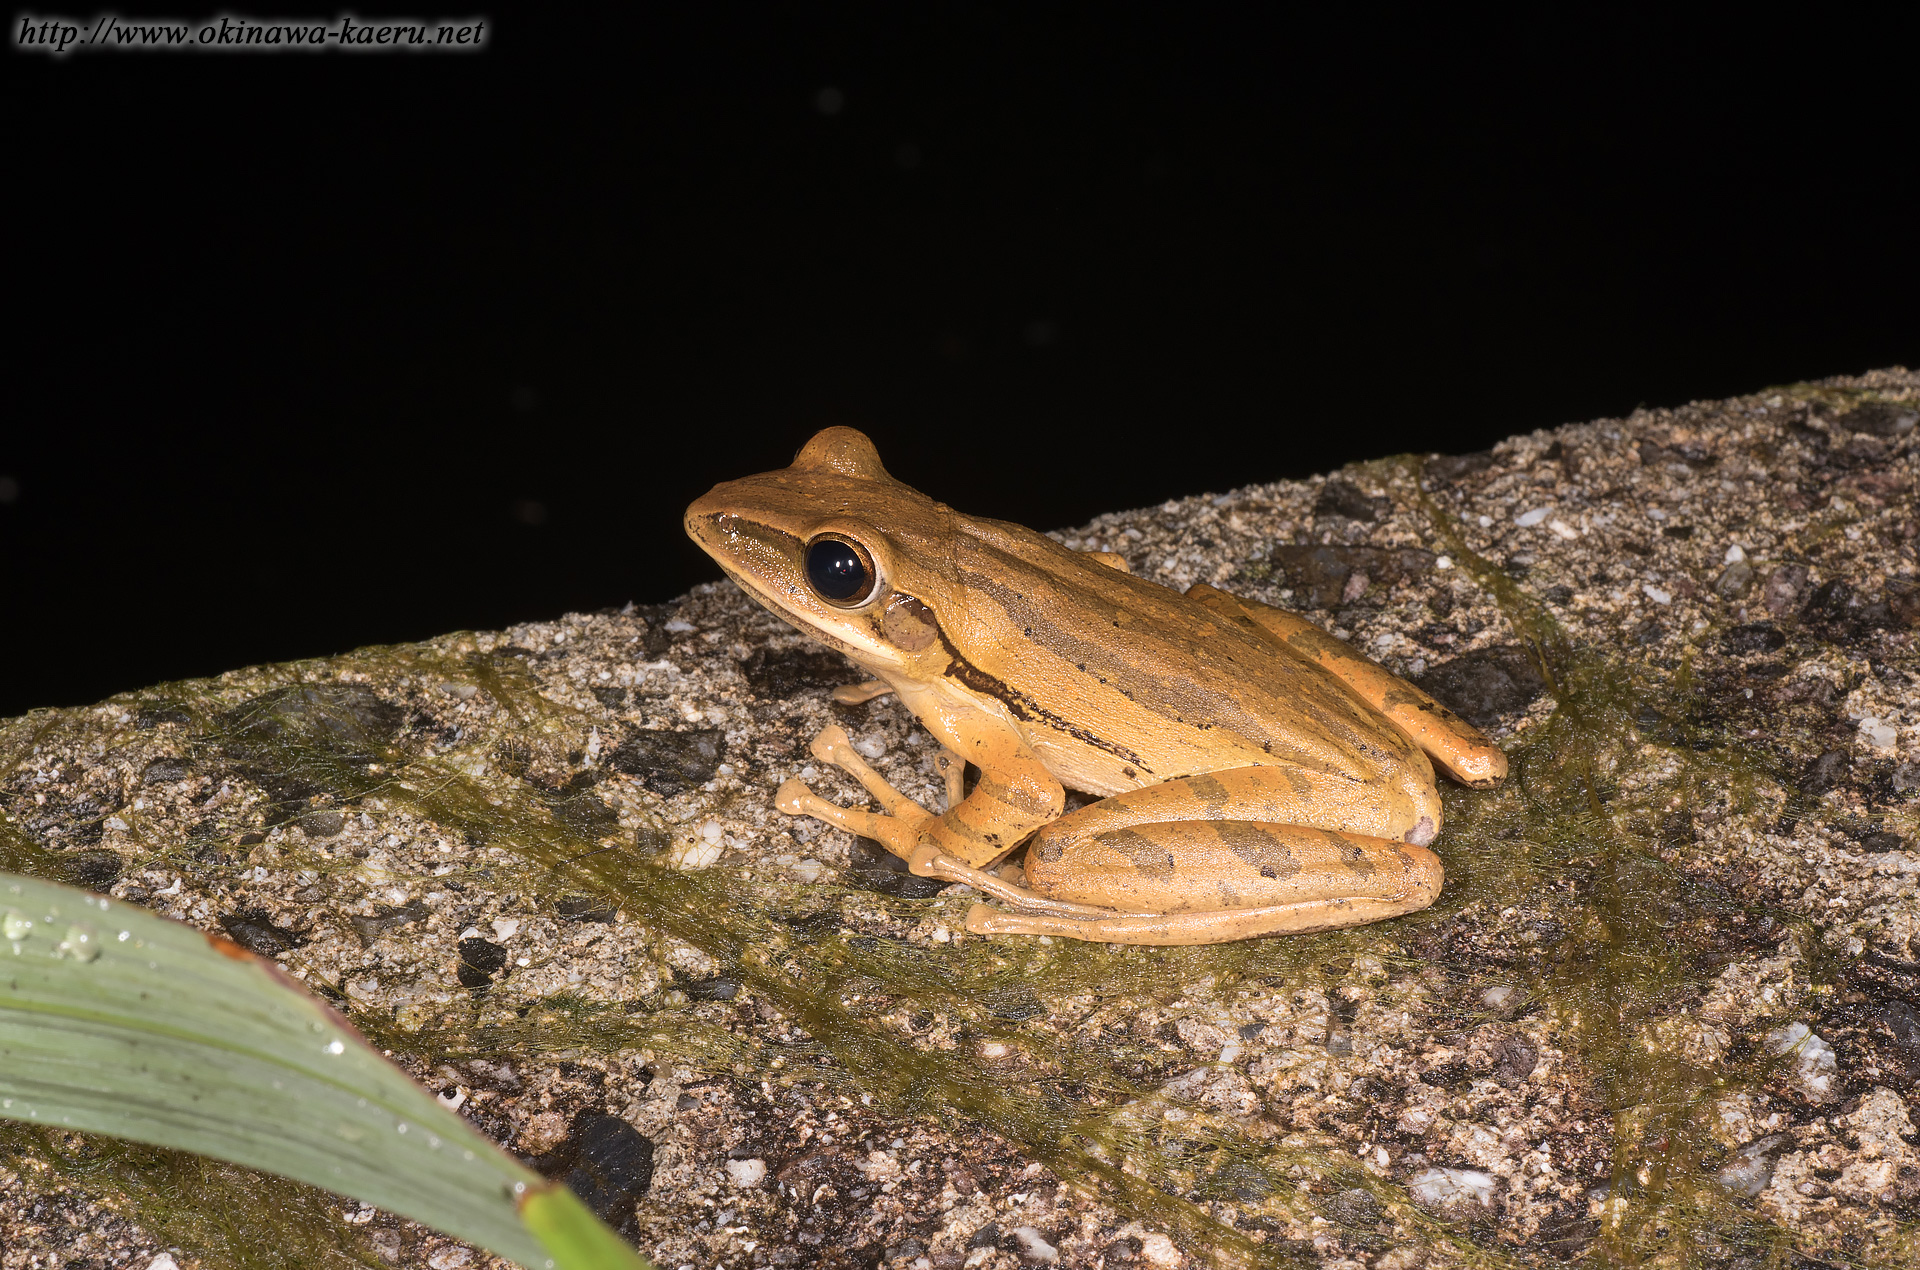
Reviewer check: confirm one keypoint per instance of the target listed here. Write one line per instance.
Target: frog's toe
(793, 797)
(985, 919)
(1423, 832)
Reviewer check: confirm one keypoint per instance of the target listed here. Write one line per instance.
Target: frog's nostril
(1422, 833)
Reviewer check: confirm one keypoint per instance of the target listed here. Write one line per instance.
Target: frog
(1239, 771)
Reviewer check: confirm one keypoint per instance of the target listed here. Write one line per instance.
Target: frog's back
(1121, 683)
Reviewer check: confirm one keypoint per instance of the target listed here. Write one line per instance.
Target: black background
(313, 352)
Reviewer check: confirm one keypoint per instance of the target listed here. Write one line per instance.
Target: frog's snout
(1423, 832)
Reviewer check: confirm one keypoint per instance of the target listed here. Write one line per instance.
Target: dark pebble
(347, 720)
(1450, 469)
(480, 961)
(1484, 685)
(874, 868)
(669, 763)
(613, 1165)
(1880, 418)
(1514, 1060)
(779, 673)
(386, 918)
(1882, 841)
(1784, 586)
(94, 870)
(718, 988)
(612, 696)
(583, 908)
(1338, 498)
(253, 930)
(1903, 601)
(585, 814)
(1653, 454)
(1014, 1003)
(164, 770)
(1567, 1236)
(323, 824)
(988, 1236)
(1353, 1207)
(1754, 637)
(1903, 1021)
(151, 718)
(1825, 772)
(1322, 571)
(1677, 531)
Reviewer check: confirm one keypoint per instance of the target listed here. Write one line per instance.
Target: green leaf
(571, 1232)
(115, 1021)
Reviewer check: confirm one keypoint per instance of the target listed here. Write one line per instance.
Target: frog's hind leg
(897, 826)
(1449, 740)
(1210, 858)
(1203, 882)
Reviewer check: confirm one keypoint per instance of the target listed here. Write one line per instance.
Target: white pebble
(747, 1173)
(1159, 1251)
(1655, 594)
(1446, 562)
(1486, 522)
(1528, 519)
(164, 1261)
(689, 854)
(679, 627)
(1034, 1248)
(711, 831)
(505, 928)
(1879, 734)
(1436, 1188)
(1736, 553)
(1562, 529)
(870, 747)
(1813, 1059)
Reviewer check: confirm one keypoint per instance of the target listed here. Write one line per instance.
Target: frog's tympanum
(1257, 776)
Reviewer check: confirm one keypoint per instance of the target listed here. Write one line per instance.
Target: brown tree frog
(1257, 776)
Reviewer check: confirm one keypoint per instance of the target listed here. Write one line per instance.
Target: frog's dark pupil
(836, 570)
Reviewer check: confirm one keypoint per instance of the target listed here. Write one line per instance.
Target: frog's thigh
(1449, 740)
(1188, 867)
(1275, 794)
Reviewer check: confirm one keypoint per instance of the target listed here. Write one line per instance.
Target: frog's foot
(861, 693)
(897, 826)
(929, 861)
(834, 746)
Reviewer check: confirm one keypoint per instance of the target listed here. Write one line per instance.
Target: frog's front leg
(1171, 865)
(900, 822)
(1014, 796)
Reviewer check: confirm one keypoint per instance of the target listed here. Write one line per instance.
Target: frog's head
(836, 546)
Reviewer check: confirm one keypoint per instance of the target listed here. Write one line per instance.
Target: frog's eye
(841, 572)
